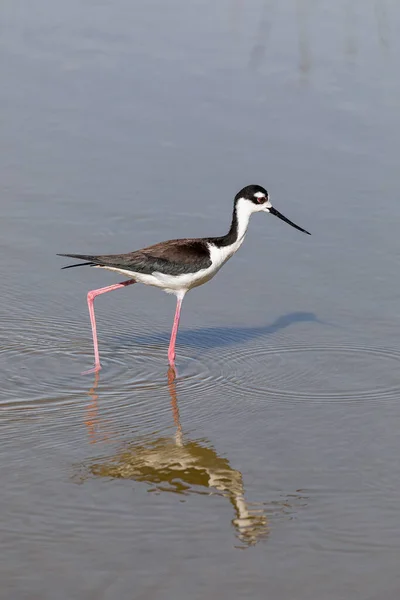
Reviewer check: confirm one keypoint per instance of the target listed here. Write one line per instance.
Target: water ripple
(315, 373)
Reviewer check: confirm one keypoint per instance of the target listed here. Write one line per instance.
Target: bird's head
(256, 199)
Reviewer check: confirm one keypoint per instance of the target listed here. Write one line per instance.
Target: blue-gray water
(125, 123)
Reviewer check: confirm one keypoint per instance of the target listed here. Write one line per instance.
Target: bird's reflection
(176, 464)
(96, 426)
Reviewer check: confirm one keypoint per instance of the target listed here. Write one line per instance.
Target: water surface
(269, 466)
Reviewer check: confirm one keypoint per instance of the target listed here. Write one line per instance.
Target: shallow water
(269, 466)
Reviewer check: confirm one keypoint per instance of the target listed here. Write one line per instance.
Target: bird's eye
(261, 199)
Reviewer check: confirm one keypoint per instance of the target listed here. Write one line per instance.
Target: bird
(177, 266)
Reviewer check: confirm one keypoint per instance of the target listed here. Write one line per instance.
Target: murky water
(270, 466)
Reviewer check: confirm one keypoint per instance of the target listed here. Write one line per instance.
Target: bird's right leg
(90, 300)
(171, 349)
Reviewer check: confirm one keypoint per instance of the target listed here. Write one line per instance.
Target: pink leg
(171, 349)
(90, 300)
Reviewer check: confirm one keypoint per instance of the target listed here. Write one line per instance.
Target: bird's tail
(92, 261)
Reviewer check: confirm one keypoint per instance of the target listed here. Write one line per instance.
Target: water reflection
(179, 465)
(96, 426)
(350, 41)
(349, 24)
(258, 51)
(382, 23)
(303, 10)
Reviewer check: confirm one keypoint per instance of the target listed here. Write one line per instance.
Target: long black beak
(275, 212)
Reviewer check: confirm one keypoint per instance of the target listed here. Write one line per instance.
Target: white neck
(221, 252)
(244, 210)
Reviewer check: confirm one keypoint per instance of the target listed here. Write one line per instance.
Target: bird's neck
(240, 222)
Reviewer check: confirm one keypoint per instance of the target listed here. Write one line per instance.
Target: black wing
(175, 257)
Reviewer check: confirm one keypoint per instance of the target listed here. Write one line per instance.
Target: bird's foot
(94, 369)
(171, 359)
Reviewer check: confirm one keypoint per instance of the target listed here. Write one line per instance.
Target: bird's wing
(173, 257)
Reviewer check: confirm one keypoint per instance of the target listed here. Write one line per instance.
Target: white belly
(173, 284)
(169, 283)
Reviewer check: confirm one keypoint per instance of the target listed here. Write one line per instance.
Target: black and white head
(255, 198)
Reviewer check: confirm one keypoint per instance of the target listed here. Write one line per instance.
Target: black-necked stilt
(176, 266)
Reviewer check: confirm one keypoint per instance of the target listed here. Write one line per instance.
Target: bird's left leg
(90, 300)
(171, 349)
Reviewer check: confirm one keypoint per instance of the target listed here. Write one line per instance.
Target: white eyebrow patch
(259, 195)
